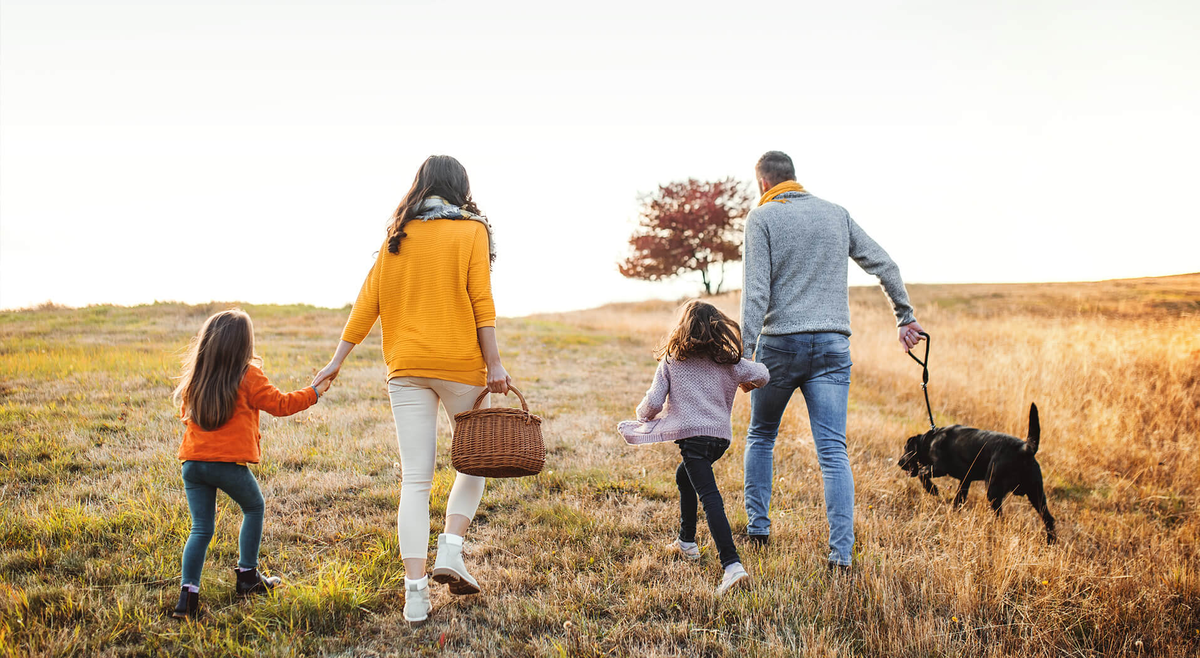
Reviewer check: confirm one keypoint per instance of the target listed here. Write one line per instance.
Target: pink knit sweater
(701, 400)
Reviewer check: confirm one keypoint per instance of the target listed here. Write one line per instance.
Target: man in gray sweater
(796, 321)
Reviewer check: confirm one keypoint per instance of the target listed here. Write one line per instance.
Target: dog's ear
(908, 460)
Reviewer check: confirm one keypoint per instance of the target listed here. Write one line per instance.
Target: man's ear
(763, 185)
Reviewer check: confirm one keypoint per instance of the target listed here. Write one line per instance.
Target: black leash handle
(925, 377)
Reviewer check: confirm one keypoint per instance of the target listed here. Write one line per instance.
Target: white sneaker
(448, 567)
(690, 552)
(735, 578)
(416, 600)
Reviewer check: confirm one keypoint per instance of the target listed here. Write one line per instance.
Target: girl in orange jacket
(221, 392)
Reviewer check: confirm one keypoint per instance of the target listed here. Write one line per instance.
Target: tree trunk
(721, 283)
(707, 283)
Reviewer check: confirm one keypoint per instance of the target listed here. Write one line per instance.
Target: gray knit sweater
(795, 269)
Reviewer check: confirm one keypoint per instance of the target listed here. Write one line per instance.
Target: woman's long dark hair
(213, 368)
(703, 330)
(439, 175)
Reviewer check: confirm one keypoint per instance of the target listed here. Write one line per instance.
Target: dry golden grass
(92, 516)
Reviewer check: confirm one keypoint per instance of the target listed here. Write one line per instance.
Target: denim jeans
(819, 365)
(695, 479)
(200, 482)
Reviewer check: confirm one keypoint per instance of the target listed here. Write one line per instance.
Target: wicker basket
(499, 442)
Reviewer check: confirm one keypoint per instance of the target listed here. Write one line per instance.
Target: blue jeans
(819, 365)
(200, 482)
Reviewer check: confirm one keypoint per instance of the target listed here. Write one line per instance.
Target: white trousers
(415, 408)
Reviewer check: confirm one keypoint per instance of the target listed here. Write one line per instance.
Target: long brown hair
(703, 330)
(439, 175)
(213, 367)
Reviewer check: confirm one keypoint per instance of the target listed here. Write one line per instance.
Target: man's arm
(756, 283)
(875, 261)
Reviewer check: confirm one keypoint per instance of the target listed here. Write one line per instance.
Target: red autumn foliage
(689, 226)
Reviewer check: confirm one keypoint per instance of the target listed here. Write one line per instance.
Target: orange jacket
(238, 439)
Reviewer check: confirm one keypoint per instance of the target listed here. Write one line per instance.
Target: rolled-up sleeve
(479, 281)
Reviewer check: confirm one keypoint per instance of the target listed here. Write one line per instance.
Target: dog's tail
(1035, 430)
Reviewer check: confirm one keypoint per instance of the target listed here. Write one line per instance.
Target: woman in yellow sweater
(431, 290)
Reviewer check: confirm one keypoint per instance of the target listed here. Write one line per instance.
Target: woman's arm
(330, 371)
(362, 319)
(498, 380)
(479, 289)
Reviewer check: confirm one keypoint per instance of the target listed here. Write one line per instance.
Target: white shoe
(448, 567)
(736, 578)
(416, 600)
(691, 552)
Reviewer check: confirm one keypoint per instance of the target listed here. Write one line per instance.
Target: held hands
(326, 376)
(747, 386)
(910, 335)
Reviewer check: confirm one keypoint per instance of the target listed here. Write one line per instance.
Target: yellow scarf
(785, 186)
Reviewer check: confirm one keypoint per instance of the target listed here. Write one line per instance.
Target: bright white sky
(253, 151)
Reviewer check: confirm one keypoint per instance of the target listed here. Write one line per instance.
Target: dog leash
(925, 377)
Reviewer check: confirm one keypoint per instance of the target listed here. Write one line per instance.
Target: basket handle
(485, 392)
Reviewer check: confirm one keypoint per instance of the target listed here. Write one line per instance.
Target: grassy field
(93, 518)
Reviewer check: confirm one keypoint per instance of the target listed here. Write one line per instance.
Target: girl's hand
(747, 386)
(323, 386)
(498, 380)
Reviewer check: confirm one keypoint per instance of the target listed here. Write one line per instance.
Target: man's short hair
(776, 167)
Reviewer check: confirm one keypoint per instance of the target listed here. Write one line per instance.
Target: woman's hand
(330, 372)
(498, 380)
(326, 375)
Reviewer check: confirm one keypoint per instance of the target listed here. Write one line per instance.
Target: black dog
(1004, 462)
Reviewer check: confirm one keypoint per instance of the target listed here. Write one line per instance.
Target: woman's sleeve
(366, 307)
(656, 397)
(265, 397)
(752, 372)
(479, 280)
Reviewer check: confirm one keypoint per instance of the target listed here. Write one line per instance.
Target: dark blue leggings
(200, 482)
(695, 479)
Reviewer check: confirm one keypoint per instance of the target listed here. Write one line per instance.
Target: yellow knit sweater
(430, 298)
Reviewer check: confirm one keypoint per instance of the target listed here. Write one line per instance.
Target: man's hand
(910, 335)
(747, 386)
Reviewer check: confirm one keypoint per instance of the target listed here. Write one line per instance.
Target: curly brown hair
(703, 330)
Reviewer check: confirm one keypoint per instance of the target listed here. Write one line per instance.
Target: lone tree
(689, 226)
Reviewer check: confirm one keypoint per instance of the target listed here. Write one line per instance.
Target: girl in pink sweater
(700, 370)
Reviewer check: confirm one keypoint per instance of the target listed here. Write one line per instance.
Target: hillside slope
(92, 516)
